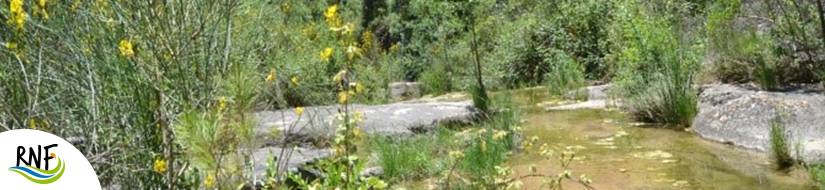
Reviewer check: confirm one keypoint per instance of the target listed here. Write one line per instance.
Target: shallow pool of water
(619, 154)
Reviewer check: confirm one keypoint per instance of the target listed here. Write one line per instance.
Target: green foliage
(413, 158)
(745, 48)
(436, 80)
(580, 29)
(565, 74)
(342, 173)
(490, 144)
(656, 67)
(779, 144)
(743, 53)
(530, 45)
(818, 175)
(480, 99)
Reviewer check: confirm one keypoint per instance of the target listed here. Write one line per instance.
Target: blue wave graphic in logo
(41, 176)
(31, 172)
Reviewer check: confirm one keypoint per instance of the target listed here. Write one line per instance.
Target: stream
(619, 154)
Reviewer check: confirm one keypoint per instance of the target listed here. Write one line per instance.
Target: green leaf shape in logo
(52, 171)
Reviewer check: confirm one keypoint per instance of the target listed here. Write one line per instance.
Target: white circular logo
(39, 160)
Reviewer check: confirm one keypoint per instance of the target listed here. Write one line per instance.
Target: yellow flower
(342, 97)
(498, 135)
(160, 165)
(483, 146)
(339, 77)
(356, 132)
(331, 15)
(17, 15)
(286, 8)
(299, 111)
(11, 45)
(359, 117)
(221, 103)
(271, 77)
(41, 9)
(366, 39)
(456, 154)
(75, 5)
(294, 80)
(482, 131)
(326, 54)
(395, 47)
(210, 180)
(309, 31)
(125, 48)
(358, 87)
(16, 6)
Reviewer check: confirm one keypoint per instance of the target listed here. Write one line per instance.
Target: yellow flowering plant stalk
(17, 14)
(344, 168)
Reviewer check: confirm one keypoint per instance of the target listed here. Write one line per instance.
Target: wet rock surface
(742, 116)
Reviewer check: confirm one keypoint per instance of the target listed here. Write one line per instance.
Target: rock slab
(597, 98)
(320, 122)
(397, 119)
(742, 116)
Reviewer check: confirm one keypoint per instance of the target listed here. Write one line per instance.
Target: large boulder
(742, 116)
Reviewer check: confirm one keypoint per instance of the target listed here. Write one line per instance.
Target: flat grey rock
(590, 104)
(597, 98)
(397, 119)
(742, 116)
(320, 122)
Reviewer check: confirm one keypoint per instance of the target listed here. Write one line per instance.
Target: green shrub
(436, 80)
(779, 145)
(656, 67)
(565, 73)
(818, 175)
(488, 148)
(747, 49)
(413, 158)
(580, 29)
(530, 46)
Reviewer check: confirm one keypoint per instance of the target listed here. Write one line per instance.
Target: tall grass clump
(437, 80)
(656, 66)
(414, 158)
(818, 175)
(779, 145)
(117, 74)
(565, 73)
(487, 146)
